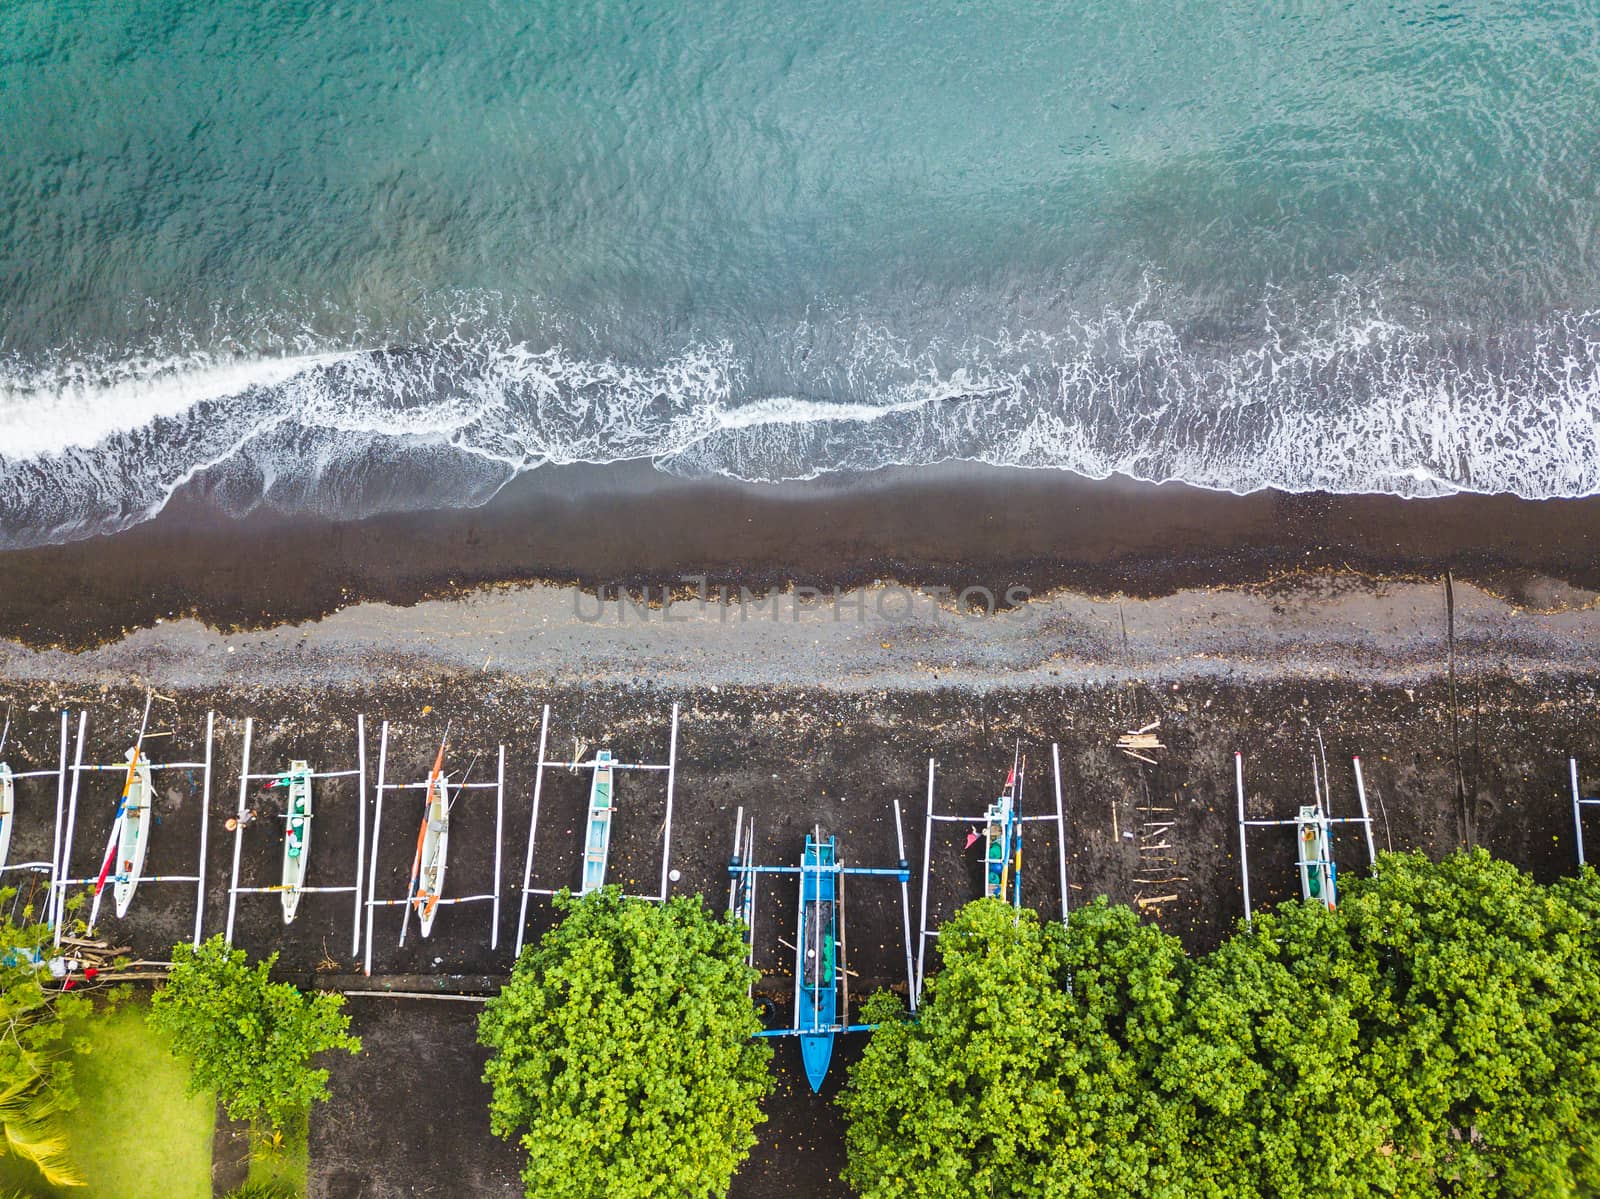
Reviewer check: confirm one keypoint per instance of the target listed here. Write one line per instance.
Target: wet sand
(953, 526)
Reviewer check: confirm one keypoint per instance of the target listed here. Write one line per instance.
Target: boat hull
(597, 836)
(1318, 876)
(816, 1052)
(435, 851)
(133, 839)
(296, 838)
(817, 980)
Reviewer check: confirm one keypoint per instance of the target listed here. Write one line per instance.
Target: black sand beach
(1240, 623)
(631, 526)
(1488, 767)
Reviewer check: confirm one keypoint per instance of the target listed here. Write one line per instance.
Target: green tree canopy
(1489, 1042)
(966, 1100)
(247, 1037)
(1439, 1033)
(36, 1085)
(622, 1048)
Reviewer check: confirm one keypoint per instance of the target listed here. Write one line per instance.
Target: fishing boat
(1315, 844)
(434, 845)
(8, 808)
(821, 978)
(817, 988)
(296, 835)
(133, 832)
(1002, 852)
(597, 842)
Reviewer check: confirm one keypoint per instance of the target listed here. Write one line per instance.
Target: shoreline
(630, 526)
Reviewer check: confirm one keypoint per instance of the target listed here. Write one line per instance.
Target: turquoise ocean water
(344, 258)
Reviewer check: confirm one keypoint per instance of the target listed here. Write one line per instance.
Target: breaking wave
(1349, 399)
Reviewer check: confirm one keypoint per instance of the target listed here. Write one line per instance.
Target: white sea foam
(1349, 399)
(71, 405)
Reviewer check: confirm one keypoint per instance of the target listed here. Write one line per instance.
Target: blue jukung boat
(817, 987)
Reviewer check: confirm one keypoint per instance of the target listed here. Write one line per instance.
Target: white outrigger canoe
(433, 845)
(296, 836)
(8, 811)
(133, 834)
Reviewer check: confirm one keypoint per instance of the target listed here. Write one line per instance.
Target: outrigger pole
(597, 823)
(1579, 802)
(60, 775)
(498, 786)
(62, 882)
(1003, 822)
(246, 778)
(1314, 835)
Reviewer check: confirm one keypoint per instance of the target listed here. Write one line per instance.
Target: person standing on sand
(240, 821)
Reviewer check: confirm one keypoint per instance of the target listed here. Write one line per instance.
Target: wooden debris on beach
(1140, 743)
(1158, 865)
(111, 964)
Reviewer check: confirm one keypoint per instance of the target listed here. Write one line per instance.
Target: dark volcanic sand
(794, 757)
(950, 526)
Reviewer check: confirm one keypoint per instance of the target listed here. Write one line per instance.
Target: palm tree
(32, 1128)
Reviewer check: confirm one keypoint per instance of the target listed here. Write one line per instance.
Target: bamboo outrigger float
(1003, 823)
(302, 802)
(821, 976)
(8, 811)
(1315, 868)
(599, 818)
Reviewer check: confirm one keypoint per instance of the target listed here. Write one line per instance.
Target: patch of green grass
(135, 1134)
(286, 1163)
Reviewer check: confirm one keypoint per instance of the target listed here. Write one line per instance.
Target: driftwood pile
(109, 963)
(1140, 743)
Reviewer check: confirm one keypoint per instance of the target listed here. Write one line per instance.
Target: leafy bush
(964, 1101)
(623, 1046)
(1438, 1034)
(249, 1038)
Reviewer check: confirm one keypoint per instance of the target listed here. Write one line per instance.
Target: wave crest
(1345, 399)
